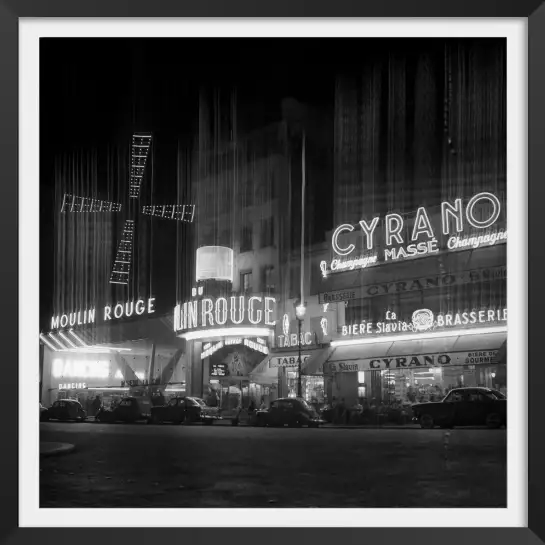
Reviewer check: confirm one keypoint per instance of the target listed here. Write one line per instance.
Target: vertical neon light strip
(139, 154)
(122, 264)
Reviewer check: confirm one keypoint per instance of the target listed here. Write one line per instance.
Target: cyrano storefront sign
(481, 212)
(482, 357)
(414, 284)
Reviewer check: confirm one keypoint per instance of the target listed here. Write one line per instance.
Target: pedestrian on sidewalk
(96, 405)
(340, 412)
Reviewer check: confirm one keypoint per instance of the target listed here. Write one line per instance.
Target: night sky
(97, 92)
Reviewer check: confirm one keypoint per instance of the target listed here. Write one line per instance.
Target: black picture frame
(12, 10)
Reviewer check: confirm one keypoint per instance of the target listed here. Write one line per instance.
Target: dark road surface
(116, 465)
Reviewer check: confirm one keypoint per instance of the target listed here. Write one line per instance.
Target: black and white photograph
(273, 273)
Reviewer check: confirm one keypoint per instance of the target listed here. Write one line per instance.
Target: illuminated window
(267, 232)
(246, 243)
(246, 282)
(249, 193)
(268, 280)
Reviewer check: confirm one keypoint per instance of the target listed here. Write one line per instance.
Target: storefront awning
(484, 348)
(263, 374)
(312, 360)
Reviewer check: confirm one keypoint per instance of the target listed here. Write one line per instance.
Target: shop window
(295, 282)
(246, 282)
(246, 243)
(249, 193)
(267, 232)
(268, 280)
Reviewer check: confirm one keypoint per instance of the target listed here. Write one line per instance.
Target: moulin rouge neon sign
(225, 312)
(109, 312)
(423, 239)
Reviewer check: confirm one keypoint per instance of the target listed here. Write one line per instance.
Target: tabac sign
(462, 227)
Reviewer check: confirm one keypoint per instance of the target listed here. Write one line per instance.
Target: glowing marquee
(423, 239)
(424, 320)
(80, 369)
(225, 311)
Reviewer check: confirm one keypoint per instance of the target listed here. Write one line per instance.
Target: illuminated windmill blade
(122, 264)
(178, 212)
(73, 203)
(141, 143)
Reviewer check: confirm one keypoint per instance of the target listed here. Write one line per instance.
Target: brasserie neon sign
(424, 320)
(423, 240)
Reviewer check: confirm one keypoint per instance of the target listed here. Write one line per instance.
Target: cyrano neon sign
(424, 240)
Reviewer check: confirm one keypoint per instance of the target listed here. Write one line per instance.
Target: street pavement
(139, 465)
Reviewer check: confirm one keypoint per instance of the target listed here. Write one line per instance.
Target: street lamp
(300, 315)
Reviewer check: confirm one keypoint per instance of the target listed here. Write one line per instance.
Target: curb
(55, 449)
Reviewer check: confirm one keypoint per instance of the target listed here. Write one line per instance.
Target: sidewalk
(53, 449)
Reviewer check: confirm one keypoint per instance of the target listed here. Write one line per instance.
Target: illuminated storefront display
(459, 230)
(421, 359)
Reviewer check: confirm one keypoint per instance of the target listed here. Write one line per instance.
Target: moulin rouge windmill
(123, 263)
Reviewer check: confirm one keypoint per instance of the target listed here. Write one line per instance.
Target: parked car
(464, 407)
(42, 411)
(186, 410)
(294, 412)
(128, 410)
(64, 409)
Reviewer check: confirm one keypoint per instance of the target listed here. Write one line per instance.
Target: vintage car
(290, 411)
(464, 407)
(64, 409)
(129, 410)
(185, 410)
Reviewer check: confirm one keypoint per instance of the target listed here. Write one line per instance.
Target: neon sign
(210, 349)
(80, 369)
(424, 320)
(110, 312)
(423, 238)
(73, 386)
(224, 311)
(289, 361)
(257, 346)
